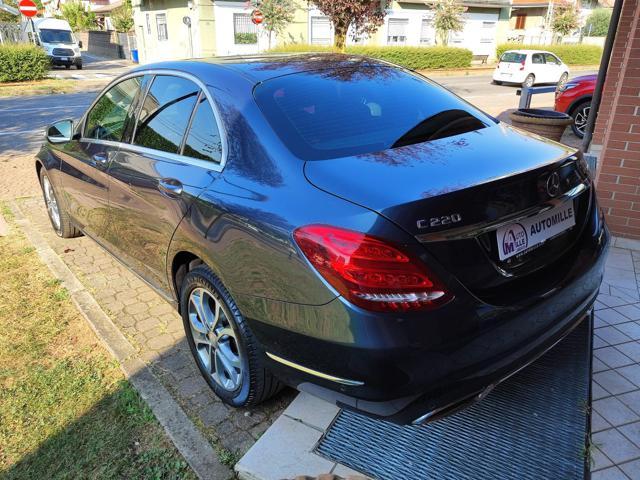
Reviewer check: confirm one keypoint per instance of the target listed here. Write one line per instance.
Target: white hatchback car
(529, 67)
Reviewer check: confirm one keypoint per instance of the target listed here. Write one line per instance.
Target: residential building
(224, 27)
(530, 21)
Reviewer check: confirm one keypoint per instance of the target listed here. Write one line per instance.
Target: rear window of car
(351, 111)
(513, 57)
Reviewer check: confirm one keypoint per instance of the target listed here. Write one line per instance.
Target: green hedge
(416, 58)
(569, 54)
(19, 63)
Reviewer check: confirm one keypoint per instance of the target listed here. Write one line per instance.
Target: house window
(161, 25)
(245, 32)
(397, 31)
(320, 31)
(487, 34)
(521, 20)
(426, 32)
(148, 19)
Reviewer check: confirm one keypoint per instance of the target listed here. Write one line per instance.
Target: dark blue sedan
(334, 223)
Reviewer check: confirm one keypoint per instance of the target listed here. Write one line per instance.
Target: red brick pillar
(617, 131)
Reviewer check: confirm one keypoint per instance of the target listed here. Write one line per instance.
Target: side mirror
(60, 132)
(79, 43)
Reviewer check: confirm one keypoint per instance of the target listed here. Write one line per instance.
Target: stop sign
(256, 16)
(28, 8)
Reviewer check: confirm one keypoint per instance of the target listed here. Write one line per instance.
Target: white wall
(225, 43)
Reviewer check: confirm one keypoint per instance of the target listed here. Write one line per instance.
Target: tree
(6, 17)
(122, 17)
(565, 19)
(363, 16)
(277, 15)
(79, 19)
(598, 23)
(447, 18)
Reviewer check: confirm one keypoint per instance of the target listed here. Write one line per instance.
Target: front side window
(165, 113)
(397, 33)
(161, 25)
(244, 30)
(203, 141)
(550, 58)
(357, 110)
(107, 119)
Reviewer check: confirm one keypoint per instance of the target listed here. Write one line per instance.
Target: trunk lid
(455, 193)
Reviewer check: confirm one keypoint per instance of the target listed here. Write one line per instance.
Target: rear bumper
(402, 368)
(510, 77)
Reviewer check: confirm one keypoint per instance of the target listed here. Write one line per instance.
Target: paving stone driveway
(616, 370)
(155, 329)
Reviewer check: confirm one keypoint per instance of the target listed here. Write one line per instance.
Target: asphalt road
(23, 119)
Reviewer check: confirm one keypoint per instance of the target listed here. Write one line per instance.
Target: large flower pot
(547, 123)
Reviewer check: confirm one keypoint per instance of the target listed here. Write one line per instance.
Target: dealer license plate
(518, 237)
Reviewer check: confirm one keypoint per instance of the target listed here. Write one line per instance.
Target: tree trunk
(340, 37)
(270, 32)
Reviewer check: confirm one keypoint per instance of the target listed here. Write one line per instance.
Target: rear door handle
(170, 186)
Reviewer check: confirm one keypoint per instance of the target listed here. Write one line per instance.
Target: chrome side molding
(325, 376)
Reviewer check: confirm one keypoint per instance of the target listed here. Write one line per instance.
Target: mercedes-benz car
(334, 223)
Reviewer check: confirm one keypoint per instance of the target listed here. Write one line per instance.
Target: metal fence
(10, 33)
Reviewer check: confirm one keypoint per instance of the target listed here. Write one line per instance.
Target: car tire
(228, 344)
(529, 81)
(68, 67)
(580, 114)
(60, 220)
(563, 79)
(79, 66)
(496, 82)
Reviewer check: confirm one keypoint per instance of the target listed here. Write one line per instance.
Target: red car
(574, 98)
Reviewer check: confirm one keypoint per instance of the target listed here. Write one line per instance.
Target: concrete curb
(189, 441)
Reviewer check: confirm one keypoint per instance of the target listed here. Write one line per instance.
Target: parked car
(529, 67)
(574, 98)
(56, 38)
(333, 223)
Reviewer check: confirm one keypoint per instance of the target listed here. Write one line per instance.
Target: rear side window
(165, 113)
(537, 58)
(350, 111)
(203, 141)
(107, 119)
(513, 57)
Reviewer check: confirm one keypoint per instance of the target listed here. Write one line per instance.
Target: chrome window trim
(196, 162)
(206, 164)
(289, 363)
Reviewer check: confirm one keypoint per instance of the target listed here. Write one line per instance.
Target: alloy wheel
(215, 340)
(52, 204)
(580, 120)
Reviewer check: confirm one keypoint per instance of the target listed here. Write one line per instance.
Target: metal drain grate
(533, 426)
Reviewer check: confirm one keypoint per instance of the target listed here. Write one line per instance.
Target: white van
(58, 41)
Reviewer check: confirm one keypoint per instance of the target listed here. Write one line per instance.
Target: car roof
(258, 68)
(526, 51)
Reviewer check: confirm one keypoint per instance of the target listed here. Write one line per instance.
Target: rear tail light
(370, 272)
(522, 65)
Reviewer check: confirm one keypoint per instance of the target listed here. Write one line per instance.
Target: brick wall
(617, 129)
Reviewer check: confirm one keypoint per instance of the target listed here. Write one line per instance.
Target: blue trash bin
(134, 55)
